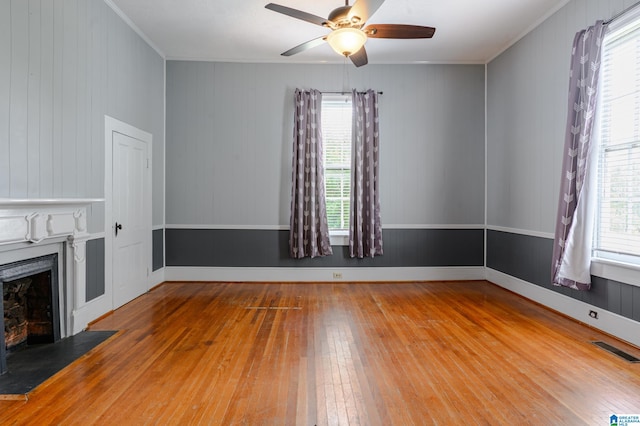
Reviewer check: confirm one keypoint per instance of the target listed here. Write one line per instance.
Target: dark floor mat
(29, 367)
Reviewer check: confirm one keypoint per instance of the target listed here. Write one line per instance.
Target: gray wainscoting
(529, 258)
(158, 249)
(269, 248)
(521, 256)
(95, 269)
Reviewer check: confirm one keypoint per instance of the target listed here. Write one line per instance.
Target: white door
(131, 227)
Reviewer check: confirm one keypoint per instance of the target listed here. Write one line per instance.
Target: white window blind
(336, 133)
(618, 214)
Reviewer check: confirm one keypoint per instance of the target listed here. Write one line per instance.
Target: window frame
(617, 267)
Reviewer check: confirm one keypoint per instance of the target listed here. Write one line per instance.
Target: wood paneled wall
(527, 90)
(63, 66)
(229, 136)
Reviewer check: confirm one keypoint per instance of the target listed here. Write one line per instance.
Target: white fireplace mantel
(33, 220)
(38, 222)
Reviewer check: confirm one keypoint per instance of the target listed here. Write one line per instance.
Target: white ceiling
(467, 31)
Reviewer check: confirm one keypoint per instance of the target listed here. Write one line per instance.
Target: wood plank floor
(337, 354)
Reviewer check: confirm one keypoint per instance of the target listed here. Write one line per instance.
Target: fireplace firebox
(30, 309)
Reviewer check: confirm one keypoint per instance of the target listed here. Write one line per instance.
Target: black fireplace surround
(44, 299)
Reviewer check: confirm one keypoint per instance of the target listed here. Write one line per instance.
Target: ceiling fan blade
(295, 13)
(359, 58)
(305, 46)
(398, 31)
(363, 9)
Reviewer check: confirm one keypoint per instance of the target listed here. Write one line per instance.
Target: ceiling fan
(348, 33)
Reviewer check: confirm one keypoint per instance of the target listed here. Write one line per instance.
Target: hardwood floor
(337, 354)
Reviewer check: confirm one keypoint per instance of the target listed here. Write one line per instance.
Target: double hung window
(617, 235)
(337, 120)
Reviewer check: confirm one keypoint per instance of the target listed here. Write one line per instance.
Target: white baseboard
(157, 277)
(90, 312)
(179, 273)
(613, 324)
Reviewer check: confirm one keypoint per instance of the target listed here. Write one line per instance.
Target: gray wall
(229, 135)
(95, 269)
(157, 249)
(63, 66)
(527, 90)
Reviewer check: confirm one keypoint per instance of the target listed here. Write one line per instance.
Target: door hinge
(147, 271)
(147, 163)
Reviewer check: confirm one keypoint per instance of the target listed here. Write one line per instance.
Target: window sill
(339, 238)
(616, 271)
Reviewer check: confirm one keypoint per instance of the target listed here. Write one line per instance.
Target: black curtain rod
(345, 93)
(617, 15)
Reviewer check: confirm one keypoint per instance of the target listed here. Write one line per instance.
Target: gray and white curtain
(365, 227)
(309, 230)
(574, 223)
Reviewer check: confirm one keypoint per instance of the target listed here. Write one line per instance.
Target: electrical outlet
(337, 275)
(593, 314)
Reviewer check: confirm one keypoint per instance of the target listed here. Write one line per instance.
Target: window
(336, 132)
(617, 235)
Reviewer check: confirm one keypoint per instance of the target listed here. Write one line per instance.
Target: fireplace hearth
(30, 308)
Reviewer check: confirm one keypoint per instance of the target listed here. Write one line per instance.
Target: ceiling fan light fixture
(346, 41)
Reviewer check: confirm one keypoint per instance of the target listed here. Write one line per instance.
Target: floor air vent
(607, 347)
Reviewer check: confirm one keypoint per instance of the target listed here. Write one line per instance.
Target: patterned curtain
(574, 223)
(365, 227)
(309, 230)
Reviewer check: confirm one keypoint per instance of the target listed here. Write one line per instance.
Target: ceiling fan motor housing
(339, 18)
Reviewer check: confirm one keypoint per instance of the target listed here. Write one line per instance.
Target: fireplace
(47, 238)
(30, 309)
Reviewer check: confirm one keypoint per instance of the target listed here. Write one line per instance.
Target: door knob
(118, 228)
